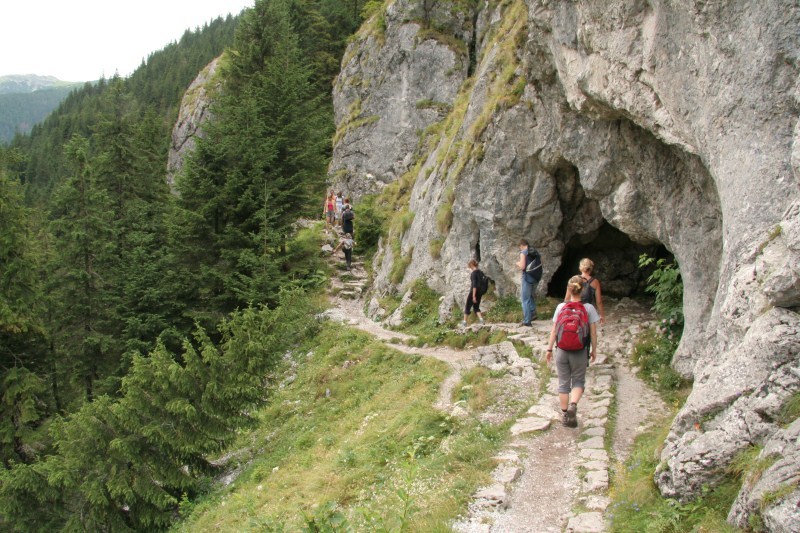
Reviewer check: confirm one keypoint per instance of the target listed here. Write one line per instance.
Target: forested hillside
(154, 88)
(19, 111)
(137, 327)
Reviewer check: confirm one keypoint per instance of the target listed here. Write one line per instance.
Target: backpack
(533, 266)
(347, 244)
(483, 283)
(348, 215)
(588, 293)
(572, 327)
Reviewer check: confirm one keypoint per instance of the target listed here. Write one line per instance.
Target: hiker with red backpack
(574, 336)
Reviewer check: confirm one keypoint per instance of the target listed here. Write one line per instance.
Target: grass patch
(346, 442)
(439, 107)
(638, 506)
(421, 319)
(508, 309)
(435, 247)
(444, 215)
(475, 389)
(790, 410)
(400, 265)
(653, 354)
(451, 41)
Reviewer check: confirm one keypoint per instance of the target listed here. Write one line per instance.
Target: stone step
(528, 425)
(351, 295)
(591, 522)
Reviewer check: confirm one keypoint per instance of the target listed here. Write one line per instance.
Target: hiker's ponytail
(575, 284)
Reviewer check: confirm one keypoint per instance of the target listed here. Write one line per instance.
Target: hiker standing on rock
(574, 330)
(530, 264)
(478, 286)
(591, 293)
(346, 244)
(347, 218)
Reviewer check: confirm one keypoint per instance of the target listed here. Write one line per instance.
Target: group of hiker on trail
(338, 212)
(574, 332)
(573, 337)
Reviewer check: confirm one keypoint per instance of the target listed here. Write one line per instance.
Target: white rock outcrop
(675, 123)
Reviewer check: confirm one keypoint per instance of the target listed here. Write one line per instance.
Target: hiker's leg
(468, 306)
(575, 395)
(564, 374)
(578, 363)
(532, 302)
(526, 305)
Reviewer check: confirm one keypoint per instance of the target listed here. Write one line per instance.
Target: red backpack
(572, 327)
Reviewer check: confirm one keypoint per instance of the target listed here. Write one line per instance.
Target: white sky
(82, 40)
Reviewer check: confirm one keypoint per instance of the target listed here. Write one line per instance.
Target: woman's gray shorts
(571, 367)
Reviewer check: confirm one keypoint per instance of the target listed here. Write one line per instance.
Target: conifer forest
(137, 324)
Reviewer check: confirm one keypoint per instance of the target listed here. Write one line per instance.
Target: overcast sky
(82, 40)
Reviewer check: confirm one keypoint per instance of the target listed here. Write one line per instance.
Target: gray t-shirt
(590, 310)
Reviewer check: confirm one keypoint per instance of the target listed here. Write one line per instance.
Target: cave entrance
(616, 259)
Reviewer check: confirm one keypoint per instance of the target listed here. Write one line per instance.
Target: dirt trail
(546, 470)
(348, 307)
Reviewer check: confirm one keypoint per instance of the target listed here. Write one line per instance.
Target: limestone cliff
(664, 123)
(194, 111)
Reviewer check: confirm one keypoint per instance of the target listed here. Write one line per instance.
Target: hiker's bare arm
(593, 333)
(521, 262)
(598, 295)
(550, 343)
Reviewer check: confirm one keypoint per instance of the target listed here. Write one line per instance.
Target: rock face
(675, 123)
(193, 113)
(393, 85)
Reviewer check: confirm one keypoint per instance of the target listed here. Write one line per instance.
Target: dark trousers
(476, 305)
(348, 255)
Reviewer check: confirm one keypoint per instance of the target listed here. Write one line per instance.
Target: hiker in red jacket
(574, 335)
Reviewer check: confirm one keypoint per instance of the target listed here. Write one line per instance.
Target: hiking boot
(481, 321)
(565, 419)
(463, 323)
(572, 415)
(525, 324)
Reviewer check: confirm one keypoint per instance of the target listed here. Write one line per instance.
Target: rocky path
(549, 477)
(563, 473)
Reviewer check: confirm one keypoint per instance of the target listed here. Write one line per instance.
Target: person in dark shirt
(474, 296)
(347, 218)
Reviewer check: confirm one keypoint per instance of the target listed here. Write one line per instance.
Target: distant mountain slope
(20, 111)
(28, 83)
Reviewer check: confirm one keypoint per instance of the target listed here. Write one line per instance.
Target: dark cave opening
(616, 259)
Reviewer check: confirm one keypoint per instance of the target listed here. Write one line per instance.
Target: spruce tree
(85, 249)
(124, 463)
(258, 167)
(23, 356)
